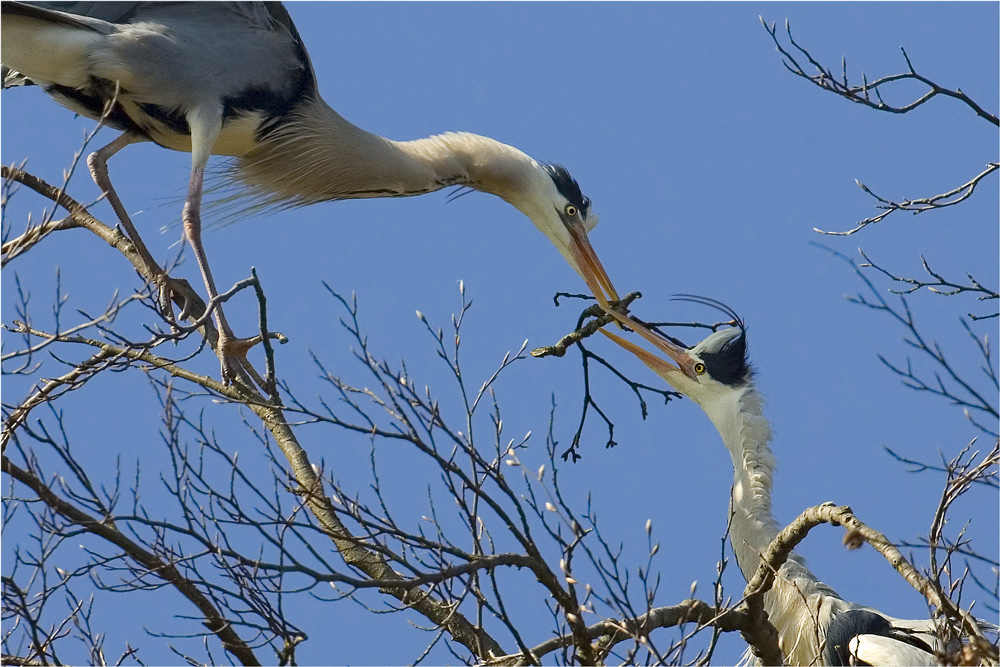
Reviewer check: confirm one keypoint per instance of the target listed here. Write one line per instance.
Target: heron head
(552, 199)
(712, 368)
(568, 193)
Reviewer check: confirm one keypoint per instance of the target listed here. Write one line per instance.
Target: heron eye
(699, 368)
(570, 211)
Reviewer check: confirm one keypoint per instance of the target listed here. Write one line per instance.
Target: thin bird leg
(98, 164)
(232, 351)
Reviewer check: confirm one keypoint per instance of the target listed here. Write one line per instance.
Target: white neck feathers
(747, 435)
(316, 155)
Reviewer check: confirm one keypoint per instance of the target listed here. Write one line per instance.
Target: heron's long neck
(747, 435)
(317, 155)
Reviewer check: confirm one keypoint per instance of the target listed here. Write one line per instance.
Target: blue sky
(709, 165)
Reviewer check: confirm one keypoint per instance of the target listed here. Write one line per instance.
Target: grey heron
(814, 624)
(234, 78)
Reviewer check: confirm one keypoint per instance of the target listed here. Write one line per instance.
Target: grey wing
(72, 14)
(109, 12)
(133, 12)
(236, 49)
(246, 57)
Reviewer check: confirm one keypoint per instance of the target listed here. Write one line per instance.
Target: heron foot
(166, 292)
(232, 353)
(172, 291)
(231, 350)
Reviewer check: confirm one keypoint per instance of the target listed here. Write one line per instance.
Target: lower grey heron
(815, 626)
(234, 78)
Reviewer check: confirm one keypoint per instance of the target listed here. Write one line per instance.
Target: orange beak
(659, 366)
(590, 267)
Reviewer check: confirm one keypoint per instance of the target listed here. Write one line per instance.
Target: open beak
(590, 267)
(661, 367)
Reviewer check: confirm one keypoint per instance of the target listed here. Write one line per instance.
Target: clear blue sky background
(709, 165)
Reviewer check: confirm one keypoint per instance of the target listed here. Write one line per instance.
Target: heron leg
(232, 351)
(98, 164)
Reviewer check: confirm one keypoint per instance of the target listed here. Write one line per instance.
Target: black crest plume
(567, 186)
(729, 363)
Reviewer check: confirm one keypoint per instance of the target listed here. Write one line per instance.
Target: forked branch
(868, 93)
(919, 205)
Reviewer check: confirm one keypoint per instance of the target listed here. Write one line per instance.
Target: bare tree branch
(857, 532)
(213, 618)
(918, 205)
(939, 285)
(862, 94)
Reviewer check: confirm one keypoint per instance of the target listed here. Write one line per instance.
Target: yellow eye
(699, 368)
(570, 211)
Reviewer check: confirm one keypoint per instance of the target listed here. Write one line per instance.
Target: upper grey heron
(234, 78)
(815, 626)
